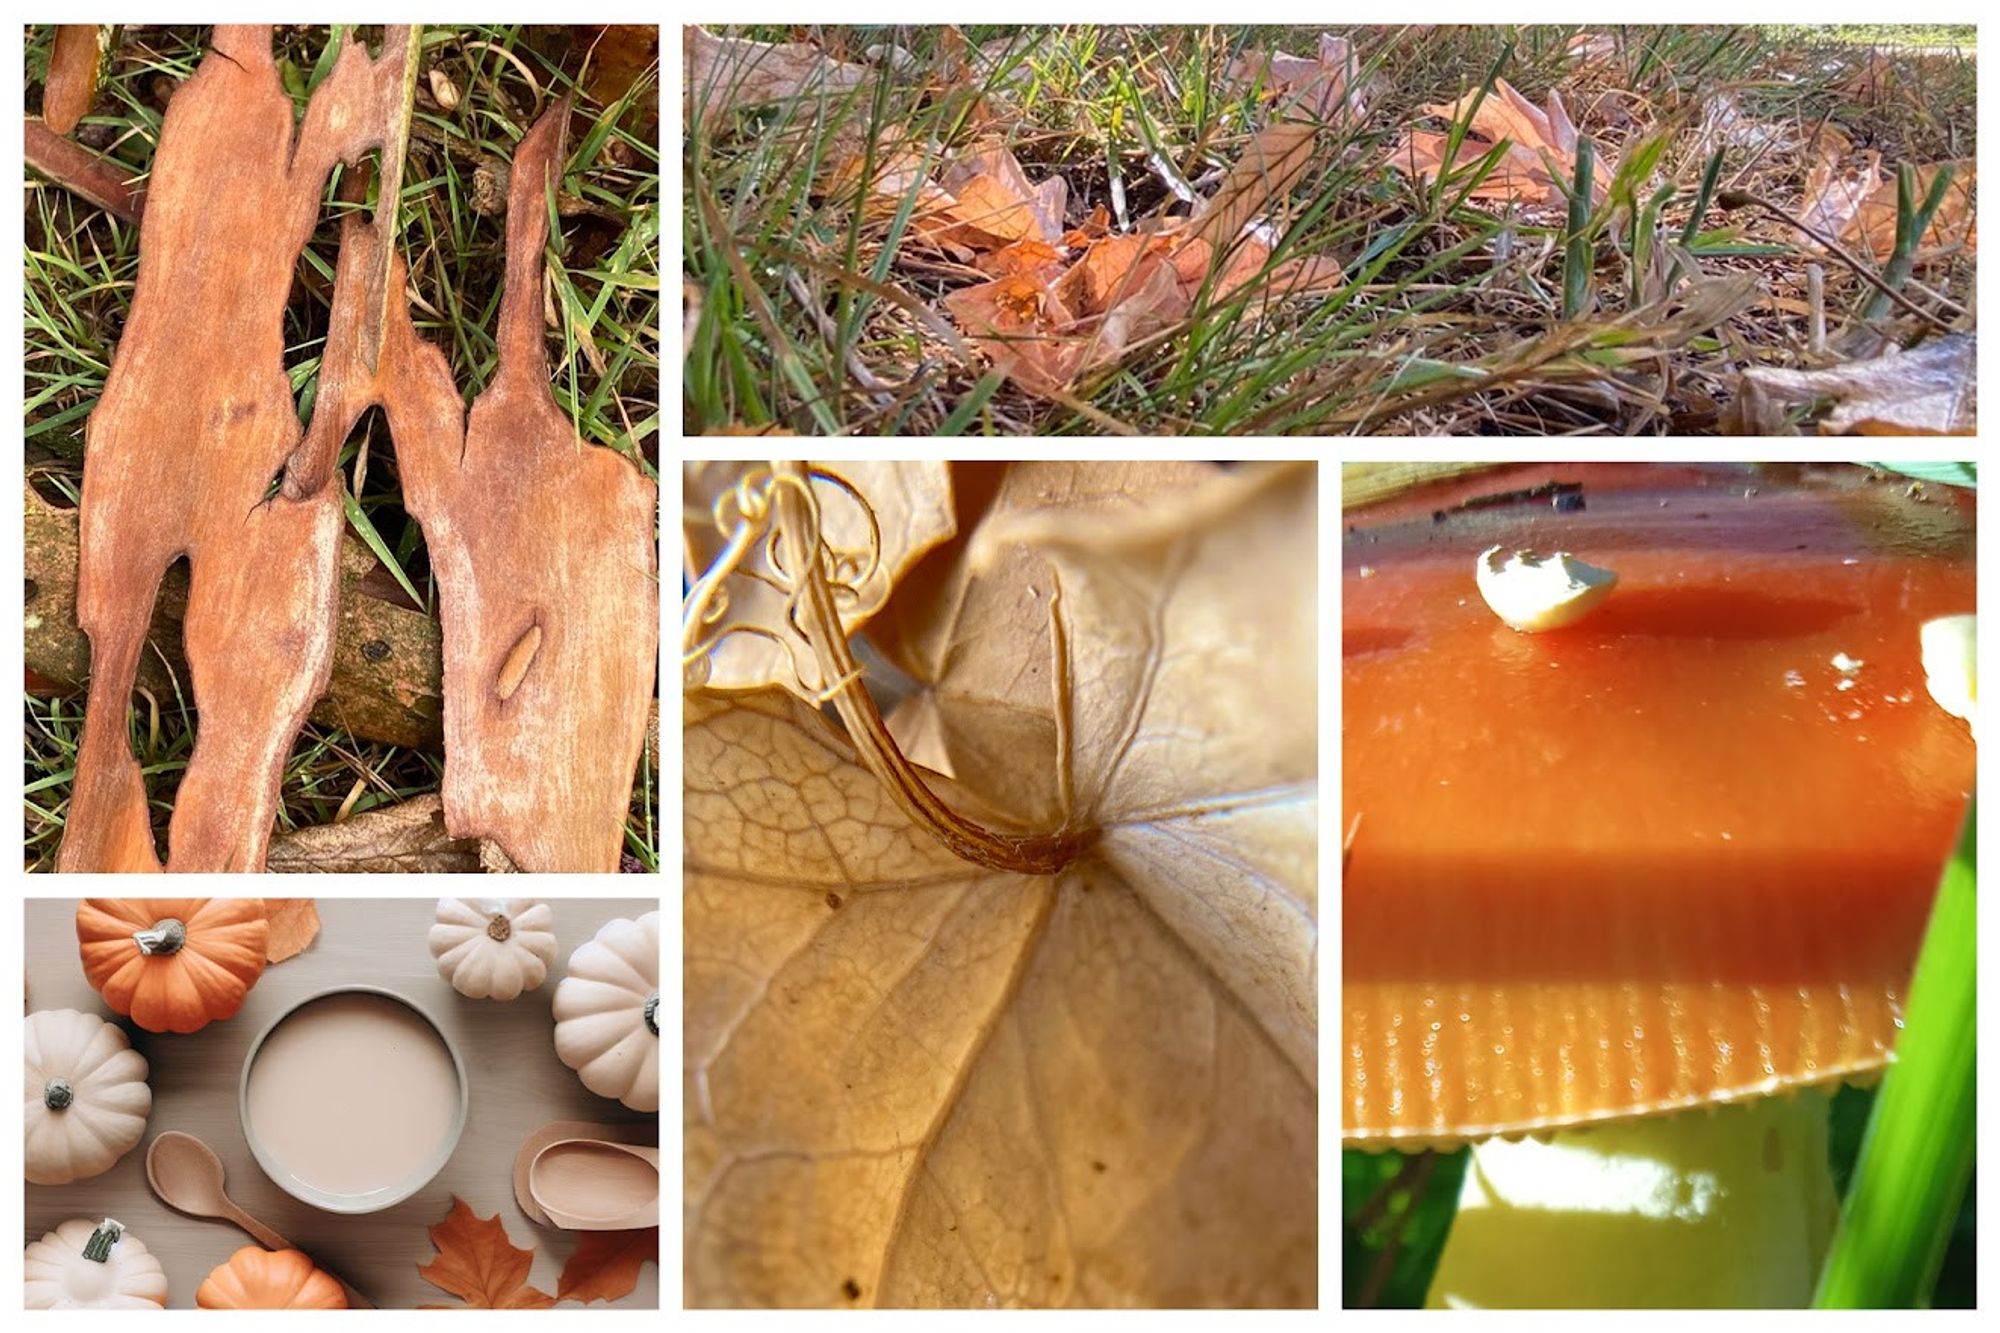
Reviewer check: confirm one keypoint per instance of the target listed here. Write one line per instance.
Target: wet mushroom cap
(1677, 853)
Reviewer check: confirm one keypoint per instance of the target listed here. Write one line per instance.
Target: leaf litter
(1409, 227)
(921, 1077)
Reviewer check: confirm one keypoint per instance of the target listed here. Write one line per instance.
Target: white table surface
(518, 1084)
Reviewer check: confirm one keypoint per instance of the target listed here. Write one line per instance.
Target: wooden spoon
(187, 1175)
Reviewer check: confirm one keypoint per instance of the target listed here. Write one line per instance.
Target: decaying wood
(195, 421)
(387, 682)
(72, 83)
(542, 547)
(103, 182)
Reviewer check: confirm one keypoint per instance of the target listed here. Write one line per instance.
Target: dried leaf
(1024, 327)
(1271, 163)
(407, 838)
(294, 923)
(1953, 227)
(723, 74)
(917, 1081)
(1539, 159)
(881, 517)
(1323, 88)
(261, 613)
(606, 1264)
(1932, 390)
(72, 81)
(479, 1265)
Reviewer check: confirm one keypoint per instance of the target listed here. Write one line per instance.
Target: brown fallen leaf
(202, 364)
(1931, 390)
(72, 83)
(1954, 227)
(1539, 158)
(1271, 163)
(723, 74)
(406, 838)
(919, 1081)
(1324, 87)
(294, 923)
(606, 1264)
(479, 1265)
(1024, 328)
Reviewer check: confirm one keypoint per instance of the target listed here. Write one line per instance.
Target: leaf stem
(1024, 853)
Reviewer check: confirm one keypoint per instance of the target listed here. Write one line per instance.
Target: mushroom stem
(1652, 1213)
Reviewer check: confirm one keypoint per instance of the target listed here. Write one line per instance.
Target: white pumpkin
(493, 949)
(84, 1265)
(607, 1012)
(86, 1098)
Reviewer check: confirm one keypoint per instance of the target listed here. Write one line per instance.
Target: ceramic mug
(372, 1200)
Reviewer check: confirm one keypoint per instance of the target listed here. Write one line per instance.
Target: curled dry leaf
(1931, 390)
(605, 1264)
(914, 1080)
(878, 518)
(294, 923)
(1850, 198)
(479, 1265)
(1539, 158)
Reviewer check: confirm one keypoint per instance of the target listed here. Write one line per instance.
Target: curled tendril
(746, 515)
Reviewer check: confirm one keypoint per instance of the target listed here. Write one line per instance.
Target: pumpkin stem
(499, 928)
(653, 1013)
(165, 937)
(98, 1248)
(57, 1094)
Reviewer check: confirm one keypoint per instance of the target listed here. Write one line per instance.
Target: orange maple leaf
(606, 1264)
(479, 1265)
(294, 924)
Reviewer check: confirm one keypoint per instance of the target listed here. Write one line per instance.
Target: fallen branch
(104, 182)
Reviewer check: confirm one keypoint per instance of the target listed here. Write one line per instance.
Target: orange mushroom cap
(1678, 853)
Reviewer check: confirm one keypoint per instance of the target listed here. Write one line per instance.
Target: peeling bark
(195, 420)
(72, 83)
(542, 546)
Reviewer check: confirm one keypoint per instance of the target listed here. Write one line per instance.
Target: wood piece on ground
(72, 82)
(195, 420)
(107, 183)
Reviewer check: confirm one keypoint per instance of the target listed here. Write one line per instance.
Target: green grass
(80, 264)
(812, 316)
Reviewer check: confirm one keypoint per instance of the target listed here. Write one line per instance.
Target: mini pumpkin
(84, 1265)
(493, 949)
(172, 964)
(87, 1099)
(607, 1012)
(260, 1279)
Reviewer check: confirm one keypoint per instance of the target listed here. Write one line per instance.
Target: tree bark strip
(387, 682)
(543, 549)
(72, 83)
(195, 421)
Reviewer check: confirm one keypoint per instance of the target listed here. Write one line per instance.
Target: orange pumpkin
(260, 1279)
(172, 964)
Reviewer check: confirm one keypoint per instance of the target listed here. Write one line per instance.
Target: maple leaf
(606, 1264)
(917, 1080)
(294, 922)
(479, 1265)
